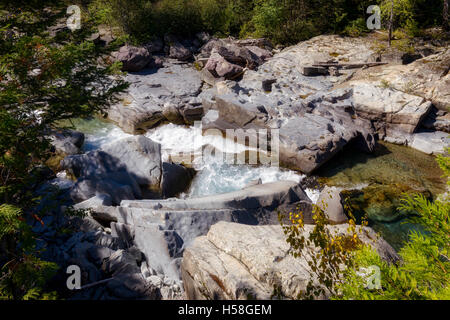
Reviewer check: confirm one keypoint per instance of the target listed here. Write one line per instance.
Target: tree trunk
(445, 25)
(391, 23)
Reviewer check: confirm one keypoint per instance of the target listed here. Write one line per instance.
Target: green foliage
(423, 270)
(10, 221)
(43, 81)
(411, 15)
(356, 28)
(327, 253)
(421, 273)
(286, 22)
(444, 163)
(26, 279)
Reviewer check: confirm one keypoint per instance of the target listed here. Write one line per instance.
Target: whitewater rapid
(214, 175)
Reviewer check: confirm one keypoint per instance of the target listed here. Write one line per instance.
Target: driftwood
(348, 65)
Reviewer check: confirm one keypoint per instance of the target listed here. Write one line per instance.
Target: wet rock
(98, 254)
(146, 271)
(254, 183)
(175, 179)
(123, 232)
(89, 224)
(106, 240)
(172, 113)
(192, 112)
(155, 281)
(120, 262)
(119, 170)
(269, 195)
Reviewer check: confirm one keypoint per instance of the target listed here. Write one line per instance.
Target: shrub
(421, 273)
(356, 28)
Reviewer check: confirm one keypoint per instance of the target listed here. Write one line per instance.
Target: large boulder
(141, 158)
(427, 77)
(133, 58)
(311, 130)
(235, 261)
(330, 202)
(175, 179)
(390, 109)
(238, 55)
(122, 169)
(228, 58)
(179, 51)
(430, 142)
(219, 67)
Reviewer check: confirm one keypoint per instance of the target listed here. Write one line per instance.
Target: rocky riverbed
(162, 228)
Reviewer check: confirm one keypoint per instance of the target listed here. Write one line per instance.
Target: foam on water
(175, 139)
(98, 133)
(214, 176)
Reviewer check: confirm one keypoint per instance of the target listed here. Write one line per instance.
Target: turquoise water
(374, 185)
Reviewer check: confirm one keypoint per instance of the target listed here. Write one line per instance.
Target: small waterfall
(214, 176)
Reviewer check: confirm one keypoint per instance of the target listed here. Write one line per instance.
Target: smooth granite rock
(236, 261)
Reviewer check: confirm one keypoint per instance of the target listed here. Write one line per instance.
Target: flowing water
(372, 183)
